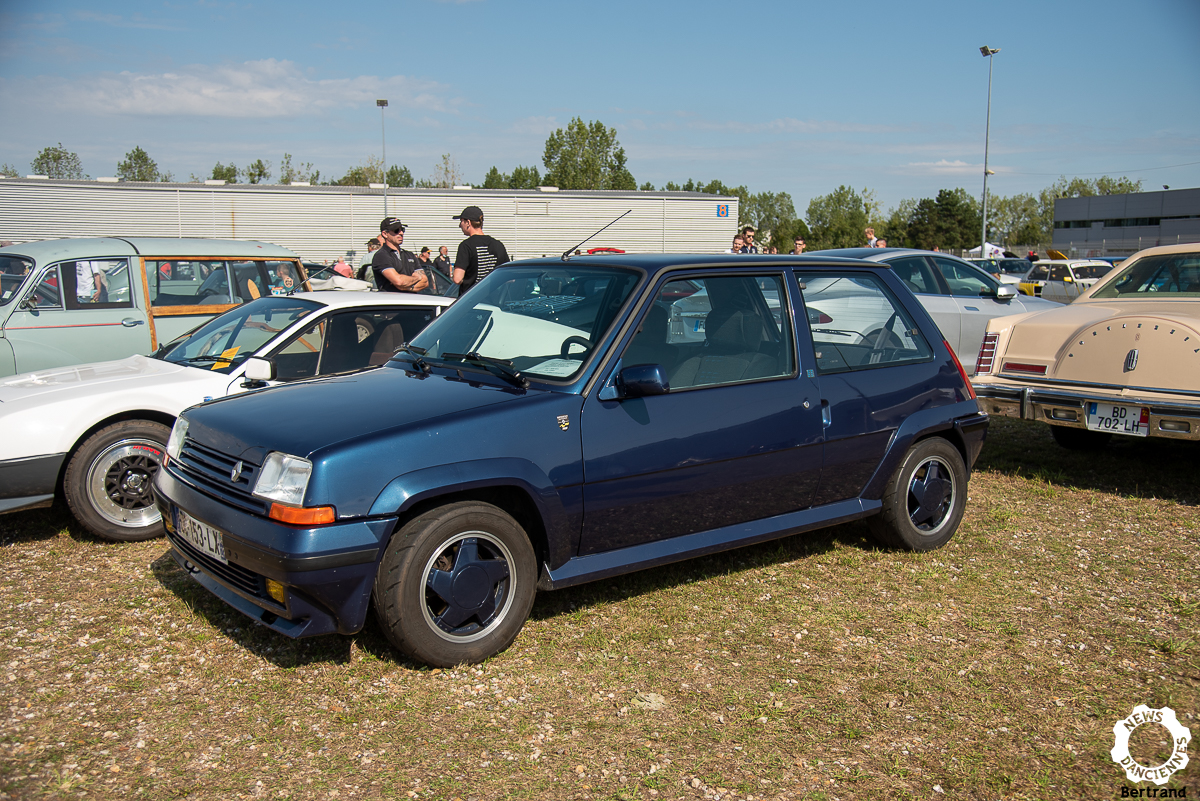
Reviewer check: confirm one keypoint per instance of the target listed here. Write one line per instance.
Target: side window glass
(187, 283)
(283, 278)
(97, 283)
(1039, 273)
(915, 273)
(47, 293)
(716, 330)
(1059, 272)
(857, 324)
(962, 280)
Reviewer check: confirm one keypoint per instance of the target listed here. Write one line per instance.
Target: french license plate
(203, 537)
(1114, 418)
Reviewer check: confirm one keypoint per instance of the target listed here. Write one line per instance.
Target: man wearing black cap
(396, 269)
(479, 253)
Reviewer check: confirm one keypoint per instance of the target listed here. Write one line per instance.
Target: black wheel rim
(467, 591)
(931, 495)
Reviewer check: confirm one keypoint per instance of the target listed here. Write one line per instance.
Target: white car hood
(89, 380)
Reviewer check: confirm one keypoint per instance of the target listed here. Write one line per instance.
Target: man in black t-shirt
(479, 253)
(396, 269)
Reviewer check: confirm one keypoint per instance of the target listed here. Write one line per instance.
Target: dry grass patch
(815, 667)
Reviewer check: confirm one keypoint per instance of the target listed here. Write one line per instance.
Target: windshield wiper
(502, 367)
(417, 353)
(206, 359)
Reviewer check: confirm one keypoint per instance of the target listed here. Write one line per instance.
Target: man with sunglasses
(396, 269)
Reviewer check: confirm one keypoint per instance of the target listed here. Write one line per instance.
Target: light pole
(987, 53)
(383, 131)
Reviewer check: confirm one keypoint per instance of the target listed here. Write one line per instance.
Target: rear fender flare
(938, 421)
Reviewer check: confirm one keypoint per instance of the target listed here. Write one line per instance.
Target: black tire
(108, 480)
(925, 498)
(487, 572)
(1080, 439)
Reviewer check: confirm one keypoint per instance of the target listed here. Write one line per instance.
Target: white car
(96, 433)
(1062, 280)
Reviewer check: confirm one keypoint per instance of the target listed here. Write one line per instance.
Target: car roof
(336, 299)
(96, 247)
(1071, 262)
(879, 254)
(655, 263)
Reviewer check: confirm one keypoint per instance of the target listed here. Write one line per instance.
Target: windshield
(230, 338)
(1169, 276)
(542, 323)
(13, 270)
(1091, 270)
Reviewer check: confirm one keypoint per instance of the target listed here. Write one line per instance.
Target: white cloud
(943, 167)
(254, 89)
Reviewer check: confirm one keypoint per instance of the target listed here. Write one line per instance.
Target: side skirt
(592, 567)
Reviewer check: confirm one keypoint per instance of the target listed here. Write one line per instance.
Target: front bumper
(1060, 405)
(327, 572)
(29, 483)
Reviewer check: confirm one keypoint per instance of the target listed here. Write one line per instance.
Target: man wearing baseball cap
(396, 269)
(479, 253)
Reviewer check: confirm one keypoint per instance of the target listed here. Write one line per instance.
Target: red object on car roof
(594, 251)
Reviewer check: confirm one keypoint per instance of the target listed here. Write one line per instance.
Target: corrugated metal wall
(320, 223)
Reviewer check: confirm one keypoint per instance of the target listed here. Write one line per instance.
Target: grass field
(816, 667)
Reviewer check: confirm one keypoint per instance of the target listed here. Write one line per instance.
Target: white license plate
(203, 537)
(1133, 421)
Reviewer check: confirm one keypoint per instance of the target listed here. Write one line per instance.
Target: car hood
(1093, 341)
(88, 380)
(302, 418)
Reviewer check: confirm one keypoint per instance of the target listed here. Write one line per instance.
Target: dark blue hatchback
(566, 421)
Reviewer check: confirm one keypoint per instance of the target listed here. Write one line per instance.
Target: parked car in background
(547, 430)
(960, 296)
(1062, 280)
(1123, 358)
(73, 301)
(1006, 271)
(95, 433)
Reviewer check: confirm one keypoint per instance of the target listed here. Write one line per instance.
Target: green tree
(138, 166)
(398, 175)
(370, 171)
(769, 213)
(895, 227)
(951, 221)
(299, 173)
(447, 174)
(646, 187)
(586, 156)
(8, 170)
(58, 162)
(521, 178)
(495, 179)
(837, 220)
(225, 172)
(259, 172)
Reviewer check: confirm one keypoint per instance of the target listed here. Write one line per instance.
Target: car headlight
(283, 478)
(175, 442)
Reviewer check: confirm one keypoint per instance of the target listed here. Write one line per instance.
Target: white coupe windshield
(542, 323)
(230, 338)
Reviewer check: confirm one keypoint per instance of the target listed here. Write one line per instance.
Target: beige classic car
(1123, 358)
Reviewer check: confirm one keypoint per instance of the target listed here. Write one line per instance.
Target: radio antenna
(566, 256)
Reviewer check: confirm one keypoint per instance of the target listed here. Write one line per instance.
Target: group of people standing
(394, 269)
(743, 242)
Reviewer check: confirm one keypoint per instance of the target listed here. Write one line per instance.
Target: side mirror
(642, 380)
(258, 372)
(1005, 293)
(30, 302)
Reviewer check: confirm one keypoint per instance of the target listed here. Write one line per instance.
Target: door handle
(130, 322)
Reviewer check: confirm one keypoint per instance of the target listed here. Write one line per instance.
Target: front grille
(210, 470)
(232, 575)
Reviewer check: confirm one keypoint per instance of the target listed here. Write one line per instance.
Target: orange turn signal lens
(302, 516)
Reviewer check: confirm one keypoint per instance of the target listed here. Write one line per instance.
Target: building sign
(722, 209)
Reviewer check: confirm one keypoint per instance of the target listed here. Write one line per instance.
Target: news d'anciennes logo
(1180, 737)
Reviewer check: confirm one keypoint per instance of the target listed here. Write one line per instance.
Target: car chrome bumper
(29, 483)
(327, 572)
(1068, 407)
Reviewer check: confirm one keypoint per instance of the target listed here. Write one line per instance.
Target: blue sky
(784, 96)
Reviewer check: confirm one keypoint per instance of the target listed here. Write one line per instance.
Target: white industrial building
(322, 222)
(1118, 225)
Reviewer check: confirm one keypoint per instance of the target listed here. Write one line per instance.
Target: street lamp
(383, 131)
(986, 52)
